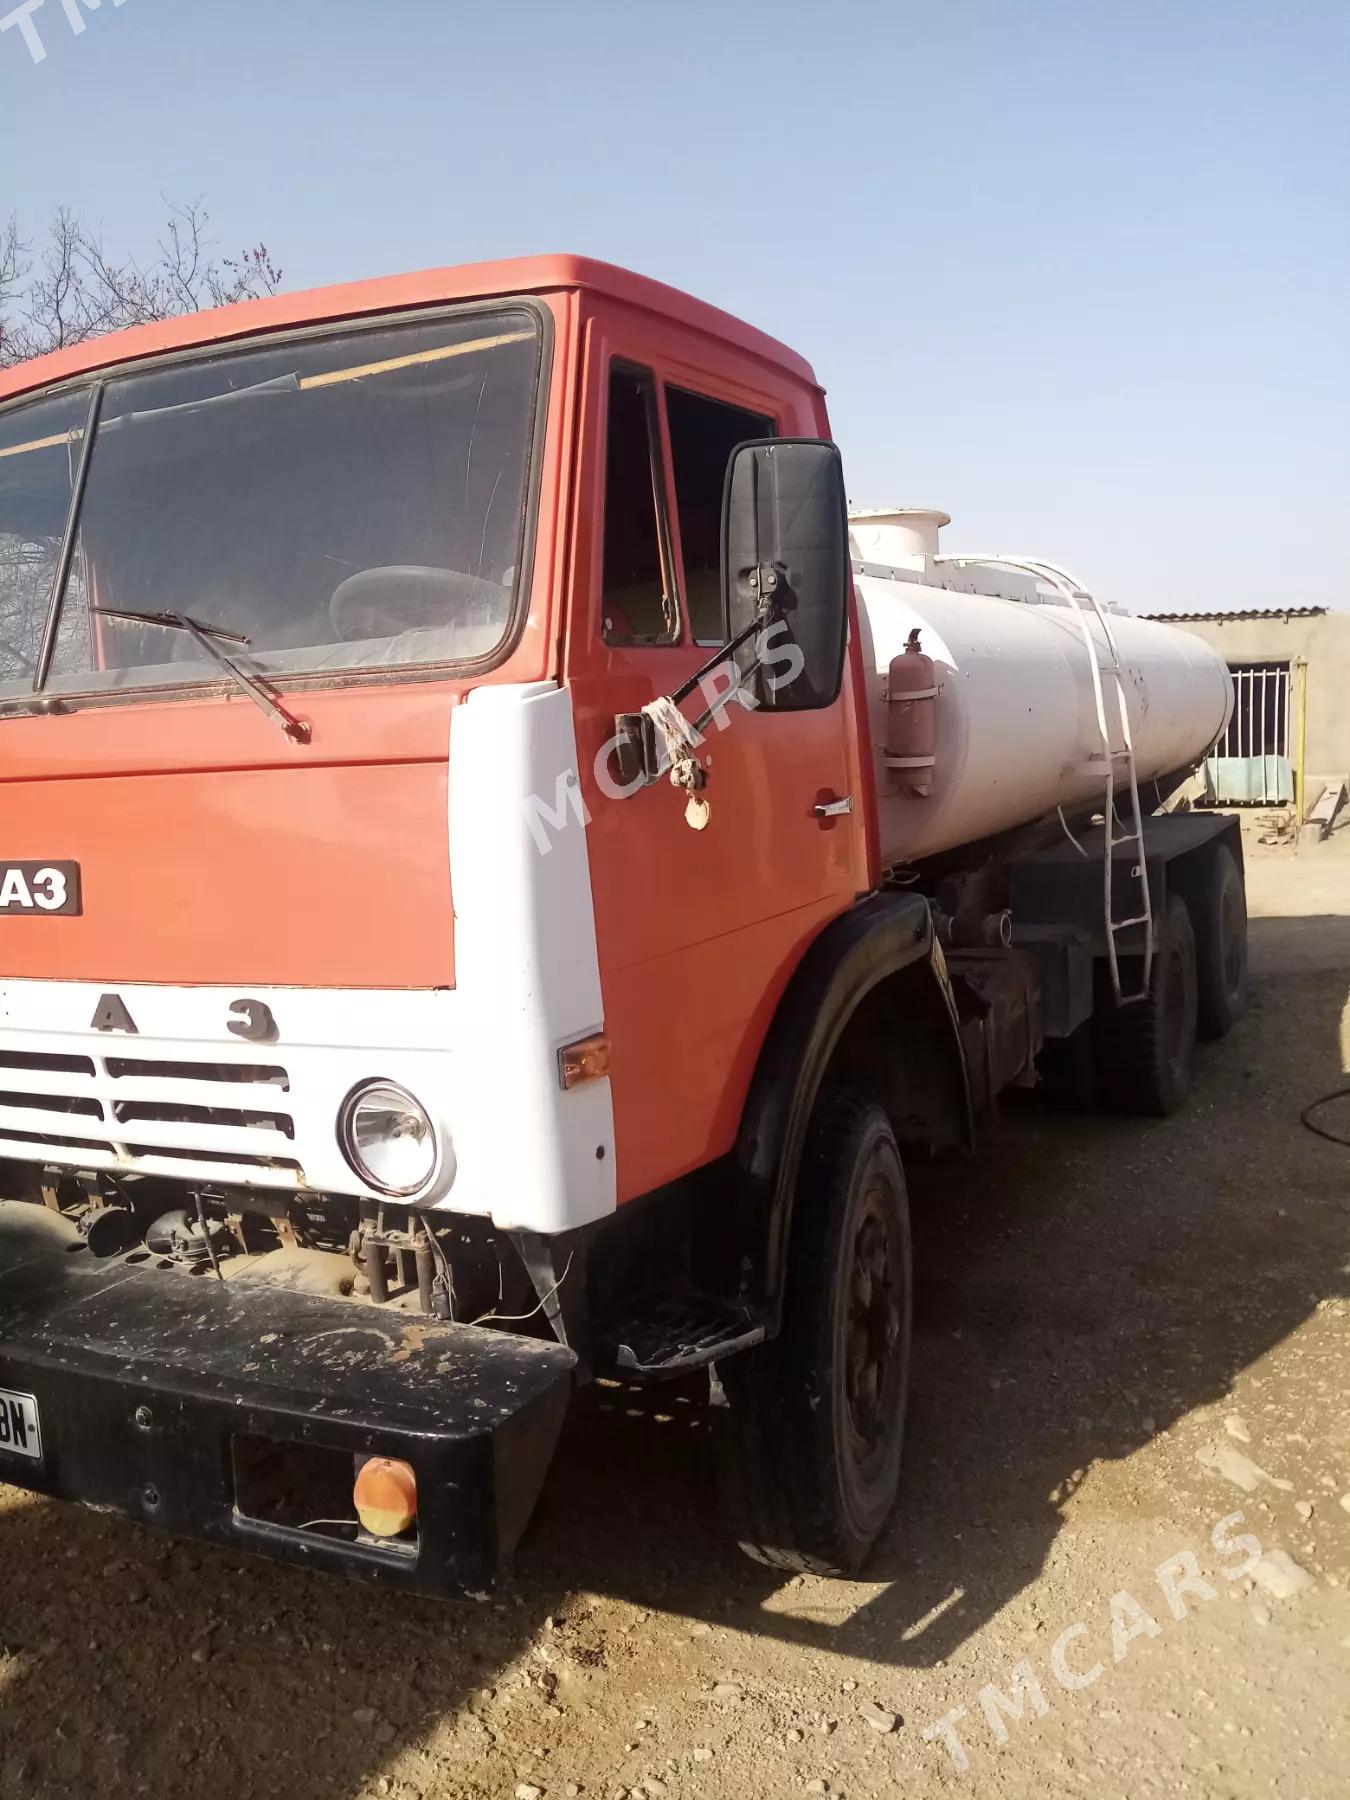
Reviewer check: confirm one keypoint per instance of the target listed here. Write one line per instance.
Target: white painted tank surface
(1017, 731)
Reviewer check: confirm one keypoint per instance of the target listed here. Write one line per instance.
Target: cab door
(702, 913)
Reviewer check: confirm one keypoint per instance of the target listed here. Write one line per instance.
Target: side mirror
(785, 561)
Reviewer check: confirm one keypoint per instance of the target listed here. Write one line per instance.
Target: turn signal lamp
(586, 1061)
(385, 1496)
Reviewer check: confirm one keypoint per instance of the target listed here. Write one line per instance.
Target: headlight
(387, 1138)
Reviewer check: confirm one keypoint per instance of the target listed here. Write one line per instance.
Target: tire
(1146, 1049)
(812, 1439)
(1221, 947)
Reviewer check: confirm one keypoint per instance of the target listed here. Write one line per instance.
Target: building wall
(1325, 643)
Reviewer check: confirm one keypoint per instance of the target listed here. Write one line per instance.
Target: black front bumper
(147, 1380)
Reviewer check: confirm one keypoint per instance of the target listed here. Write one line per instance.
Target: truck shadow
(1083, 1285)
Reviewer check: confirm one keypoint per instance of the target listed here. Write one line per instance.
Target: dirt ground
(1127, 1333)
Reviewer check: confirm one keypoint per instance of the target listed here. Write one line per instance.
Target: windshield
(353, 502)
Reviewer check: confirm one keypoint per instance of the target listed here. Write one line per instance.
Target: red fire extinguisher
(911, 724)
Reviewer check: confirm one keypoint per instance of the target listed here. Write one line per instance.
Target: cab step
(678, 1334)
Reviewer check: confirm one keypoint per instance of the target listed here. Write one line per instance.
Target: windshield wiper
(211, 639)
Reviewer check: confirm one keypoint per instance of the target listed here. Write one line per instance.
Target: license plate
(35, 888)
(20, 1428)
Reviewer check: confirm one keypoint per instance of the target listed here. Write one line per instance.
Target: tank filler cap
(903, 537)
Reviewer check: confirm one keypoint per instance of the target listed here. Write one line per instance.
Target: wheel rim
(874, 1355)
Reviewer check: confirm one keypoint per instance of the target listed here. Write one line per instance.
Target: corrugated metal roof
(1244, 612)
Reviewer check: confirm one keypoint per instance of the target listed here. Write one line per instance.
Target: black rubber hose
(1332, 1137)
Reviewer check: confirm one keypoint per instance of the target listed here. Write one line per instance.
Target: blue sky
(1080, 274)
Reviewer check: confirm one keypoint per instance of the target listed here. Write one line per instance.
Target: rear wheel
(1221, 947)
(1146, 1049)
(816, 1421)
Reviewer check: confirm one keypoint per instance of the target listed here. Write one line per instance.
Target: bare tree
(69, 288)
(13, 268)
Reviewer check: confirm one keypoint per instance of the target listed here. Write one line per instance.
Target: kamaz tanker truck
(498, 877)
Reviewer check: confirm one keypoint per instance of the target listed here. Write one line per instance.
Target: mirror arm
(730, 648)
(758, 623)
(636, 751)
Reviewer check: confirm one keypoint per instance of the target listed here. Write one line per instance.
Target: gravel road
(1127, 1333)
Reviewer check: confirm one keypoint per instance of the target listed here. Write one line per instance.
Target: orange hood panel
(313, 876)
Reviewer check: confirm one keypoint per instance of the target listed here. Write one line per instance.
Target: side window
(703, 433)
(638, 603)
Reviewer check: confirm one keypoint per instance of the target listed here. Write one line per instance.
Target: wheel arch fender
(868, 975)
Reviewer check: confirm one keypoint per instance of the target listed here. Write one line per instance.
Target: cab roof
(397, 293)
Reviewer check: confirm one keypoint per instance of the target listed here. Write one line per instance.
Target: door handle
(834, 809)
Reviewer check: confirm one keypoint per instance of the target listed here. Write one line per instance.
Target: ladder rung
(1108, 761)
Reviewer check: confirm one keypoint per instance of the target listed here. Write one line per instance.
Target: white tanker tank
(1012, 731)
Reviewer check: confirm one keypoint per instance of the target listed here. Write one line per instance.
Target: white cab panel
(526, 968)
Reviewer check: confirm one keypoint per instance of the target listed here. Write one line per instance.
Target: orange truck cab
(442, 931)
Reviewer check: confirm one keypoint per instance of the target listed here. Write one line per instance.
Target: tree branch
(76, 290)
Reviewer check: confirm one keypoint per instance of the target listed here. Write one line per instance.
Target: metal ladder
(1085, 608)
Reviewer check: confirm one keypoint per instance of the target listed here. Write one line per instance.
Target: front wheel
(816, 1418)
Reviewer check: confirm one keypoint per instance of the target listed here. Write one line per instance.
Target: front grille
(181, 1111)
